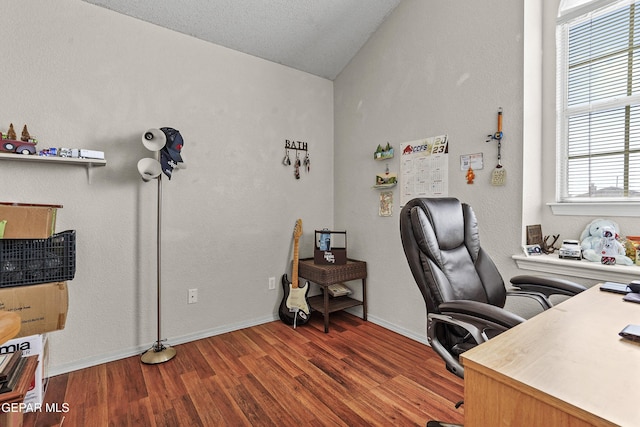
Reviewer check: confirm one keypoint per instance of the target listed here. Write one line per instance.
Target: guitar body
(294, 297)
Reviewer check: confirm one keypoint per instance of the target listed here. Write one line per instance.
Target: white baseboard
(138, 350)
(397, 329)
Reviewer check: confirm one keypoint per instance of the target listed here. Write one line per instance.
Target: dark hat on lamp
(170, 153)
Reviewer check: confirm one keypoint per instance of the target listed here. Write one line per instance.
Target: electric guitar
(294, 308)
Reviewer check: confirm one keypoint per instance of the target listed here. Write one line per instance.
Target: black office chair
(462, 288)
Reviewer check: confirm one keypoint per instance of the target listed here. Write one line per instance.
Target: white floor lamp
(166, 143)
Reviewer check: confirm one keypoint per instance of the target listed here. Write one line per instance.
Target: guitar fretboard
(294, 267)
(297, 232)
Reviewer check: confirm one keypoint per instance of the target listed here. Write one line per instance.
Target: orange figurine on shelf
(470, 175)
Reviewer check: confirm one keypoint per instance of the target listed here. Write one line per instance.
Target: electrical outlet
(272, 282)
(192, 296)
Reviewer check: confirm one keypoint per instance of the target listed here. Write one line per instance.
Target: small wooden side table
(325, 275)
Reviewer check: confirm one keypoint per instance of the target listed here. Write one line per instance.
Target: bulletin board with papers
(424, 170)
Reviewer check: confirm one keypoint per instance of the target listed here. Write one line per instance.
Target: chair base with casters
(463, 291)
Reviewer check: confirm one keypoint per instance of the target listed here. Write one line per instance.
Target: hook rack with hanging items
(297, 146)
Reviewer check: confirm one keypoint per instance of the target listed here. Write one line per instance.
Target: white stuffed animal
(599, 242)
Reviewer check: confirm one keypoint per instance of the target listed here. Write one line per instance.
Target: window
(598, 101)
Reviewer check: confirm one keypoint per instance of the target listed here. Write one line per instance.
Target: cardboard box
(42, 308)
(28, 221)
(30, 346)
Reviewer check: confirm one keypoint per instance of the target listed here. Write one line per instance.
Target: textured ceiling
(316, 36)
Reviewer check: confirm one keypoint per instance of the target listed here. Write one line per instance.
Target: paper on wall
(424, 168)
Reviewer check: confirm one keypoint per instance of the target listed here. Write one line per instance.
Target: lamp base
(158, 354)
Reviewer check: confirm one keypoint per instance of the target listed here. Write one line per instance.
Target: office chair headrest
(438, 220)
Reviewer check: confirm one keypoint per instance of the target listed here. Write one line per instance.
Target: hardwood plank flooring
(359, 374)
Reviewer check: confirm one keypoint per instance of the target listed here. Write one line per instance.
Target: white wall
(433, 67)
(82, 76)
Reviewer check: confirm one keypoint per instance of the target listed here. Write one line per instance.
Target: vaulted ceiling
(316, 36)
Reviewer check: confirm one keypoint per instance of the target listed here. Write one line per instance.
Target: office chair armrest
(547, 286)
(480, 321)
(539, 298)
(482, 312)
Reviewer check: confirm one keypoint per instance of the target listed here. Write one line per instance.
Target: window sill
(574, 268)
(597, 209)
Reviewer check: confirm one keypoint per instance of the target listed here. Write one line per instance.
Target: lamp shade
(154, 139)
(149, 168)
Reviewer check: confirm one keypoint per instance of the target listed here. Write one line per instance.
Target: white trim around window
(625, 209)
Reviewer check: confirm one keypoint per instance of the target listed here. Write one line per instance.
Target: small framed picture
(534, 234)
(532, 250)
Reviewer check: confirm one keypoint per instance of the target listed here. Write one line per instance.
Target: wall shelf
(59, 160)
(385, 185)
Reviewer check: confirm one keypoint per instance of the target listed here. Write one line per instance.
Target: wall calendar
(424, 168)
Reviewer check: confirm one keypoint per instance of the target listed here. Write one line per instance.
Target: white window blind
(598, 101)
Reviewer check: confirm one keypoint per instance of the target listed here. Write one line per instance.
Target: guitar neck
(294, 267)
(297, 232)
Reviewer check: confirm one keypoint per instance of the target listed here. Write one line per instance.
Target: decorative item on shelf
(534, 238)
(532, 250)
(10, 142)
(632, 248)
(570, 249)
(499, 174)
(297, 163)
(386, 180)
(27, 145)
(383, 153)
(68, 152)
(48, 152)
(549, 248)
(167, 144)
(599, 241)
(11, 134)
(25, 134)
(91, 154)
(534, 234)
(330, 247)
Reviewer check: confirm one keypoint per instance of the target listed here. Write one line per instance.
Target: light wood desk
(564, 367)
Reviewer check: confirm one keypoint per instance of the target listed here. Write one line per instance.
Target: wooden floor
(359, 374)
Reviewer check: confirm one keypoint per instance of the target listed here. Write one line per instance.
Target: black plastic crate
(33, 261)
